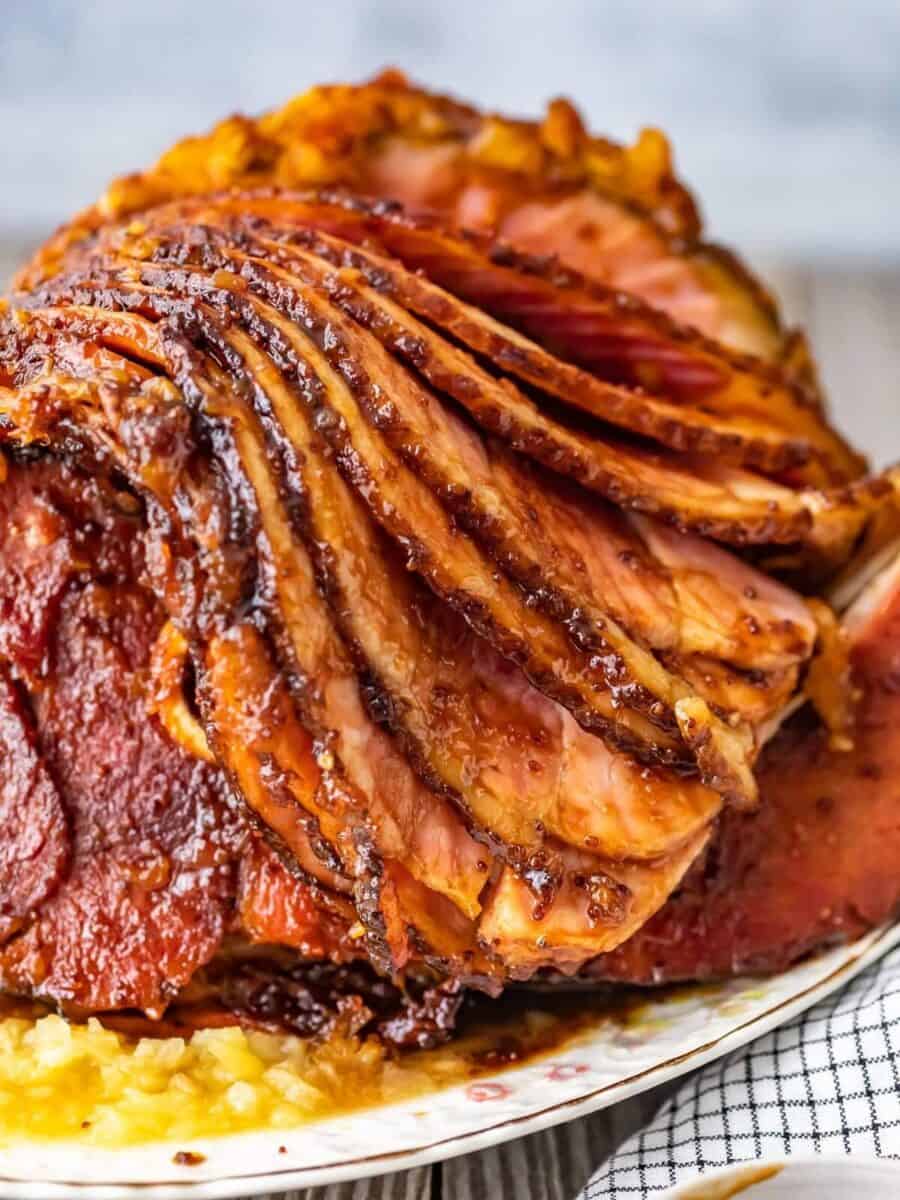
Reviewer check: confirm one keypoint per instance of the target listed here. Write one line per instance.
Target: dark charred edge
(572, 612)
(418, 556)
(797, 359)
(584, 629)
(368, 902)
(769, 527)
(368, 887)
(295, 308)
(542, 446)
(769, 457)
(767, 378)
(374, 215)
(381, 706)
(367, 882)
(548, 268)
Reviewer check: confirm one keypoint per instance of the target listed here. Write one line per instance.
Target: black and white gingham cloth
(827, 1083)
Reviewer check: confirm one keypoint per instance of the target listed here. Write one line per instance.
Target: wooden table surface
(853, 316)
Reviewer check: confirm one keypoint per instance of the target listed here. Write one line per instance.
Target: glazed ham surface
(128, 868)
(414, 535)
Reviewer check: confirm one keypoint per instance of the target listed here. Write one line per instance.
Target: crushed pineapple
(86, 1082)
(62, 1081)
(59, 1080)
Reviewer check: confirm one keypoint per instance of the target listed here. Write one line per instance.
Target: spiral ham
(436, 592)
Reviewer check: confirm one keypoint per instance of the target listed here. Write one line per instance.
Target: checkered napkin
(827, 1083)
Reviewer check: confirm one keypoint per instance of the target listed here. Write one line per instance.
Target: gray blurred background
(785, 114)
